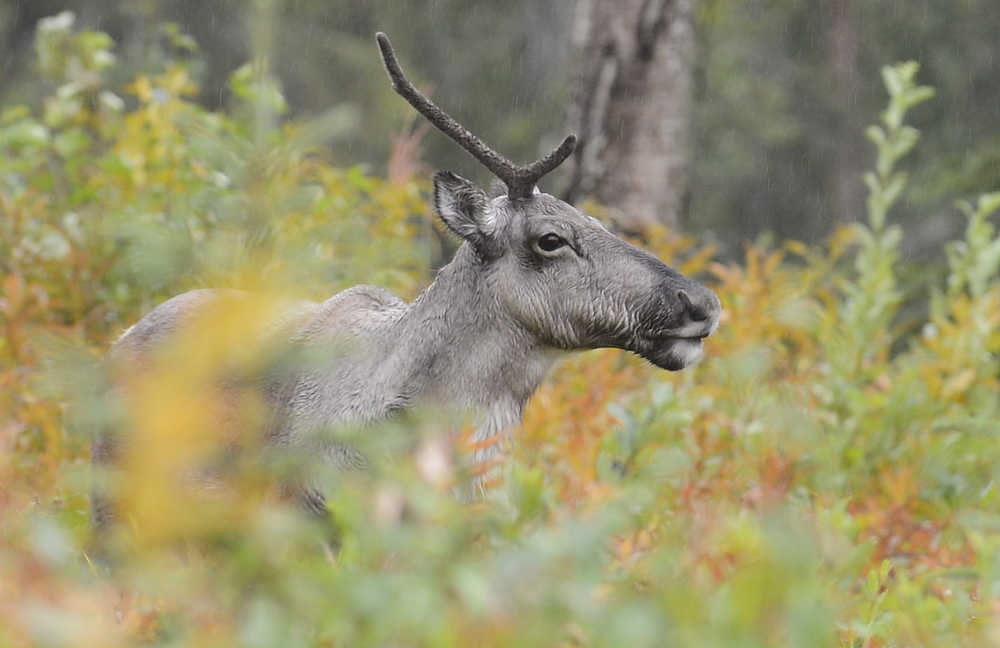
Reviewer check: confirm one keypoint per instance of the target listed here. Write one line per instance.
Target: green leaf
(988, 203)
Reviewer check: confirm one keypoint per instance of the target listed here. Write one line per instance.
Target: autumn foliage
(828, 476)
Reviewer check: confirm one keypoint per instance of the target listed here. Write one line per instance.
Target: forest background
(828, 476)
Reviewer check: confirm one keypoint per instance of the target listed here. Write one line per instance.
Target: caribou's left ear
(462, 206)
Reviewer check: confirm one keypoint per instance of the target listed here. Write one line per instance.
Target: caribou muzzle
(693, 315)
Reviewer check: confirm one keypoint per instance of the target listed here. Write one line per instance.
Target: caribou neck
(461, 348)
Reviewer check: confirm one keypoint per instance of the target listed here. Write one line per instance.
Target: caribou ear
(461, 205)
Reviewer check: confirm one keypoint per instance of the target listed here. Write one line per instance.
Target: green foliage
(783, 91)
(873, 298)
(775, 131)
(825, 477)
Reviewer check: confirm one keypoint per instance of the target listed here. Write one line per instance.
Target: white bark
(633, 107)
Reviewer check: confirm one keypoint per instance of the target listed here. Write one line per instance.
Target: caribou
(533, 278)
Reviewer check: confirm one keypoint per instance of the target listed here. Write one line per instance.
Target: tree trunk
(848, 195)
(632, 110)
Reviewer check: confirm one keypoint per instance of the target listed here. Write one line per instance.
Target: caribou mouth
(672, 353)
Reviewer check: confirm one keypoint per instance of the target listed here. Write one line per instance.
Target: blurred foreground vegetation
(827, 476)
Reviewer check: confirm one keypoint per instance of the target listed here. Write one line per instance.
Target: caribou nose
(703, 307)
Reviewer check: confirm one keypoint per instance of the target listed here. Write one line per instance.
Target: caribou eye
(550, 242)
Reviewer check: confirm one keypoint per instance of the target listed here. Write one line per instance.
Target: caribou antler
(520, 180)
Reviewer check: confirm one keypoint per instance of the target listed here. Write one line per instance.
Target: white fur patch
(687, 351)
(488, 223)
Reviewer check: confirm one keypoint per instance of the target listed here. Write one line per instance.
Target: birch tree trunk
(632, 109)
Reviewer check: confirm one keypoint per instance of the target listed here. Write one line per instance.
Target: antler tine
(534, 171)
(499, 165)
(520, 180)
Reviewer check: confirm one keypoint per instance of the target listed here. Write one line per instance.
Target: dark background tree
(503, 76)
(781, 90)
(843, 45)
(779, 113)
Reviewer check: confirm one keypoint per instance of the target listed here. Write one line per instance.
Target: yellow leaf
(958, 383)
(142, 89)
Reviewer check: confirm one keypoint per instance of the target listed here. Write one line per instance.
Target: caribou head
(555, 271)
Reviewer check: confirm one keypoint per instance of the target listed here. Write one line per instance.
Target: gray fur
(481, 337)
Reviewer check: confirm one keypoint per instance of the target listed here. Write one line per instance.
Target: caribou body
(534, 278)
